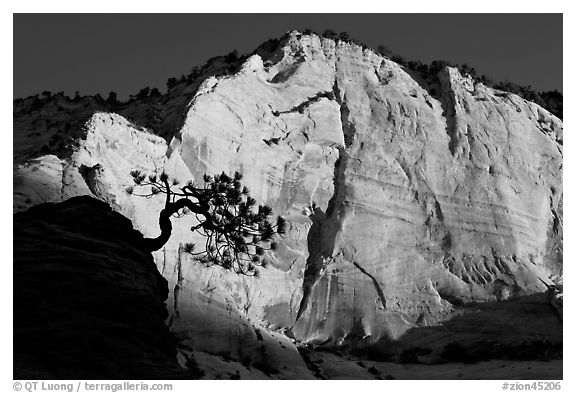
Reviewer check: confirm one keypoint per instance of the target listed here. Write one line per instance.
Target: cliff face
(405, 195)
(88, 302)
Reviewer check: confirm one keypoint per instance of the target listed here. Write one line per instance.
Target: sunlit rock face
(405, 196)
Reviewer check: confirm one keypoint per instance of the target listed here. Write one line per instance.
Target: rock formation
(88, 302)
(406, 195)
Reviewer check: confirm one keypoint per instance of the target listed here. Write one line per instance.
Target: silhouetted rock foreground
(87, 302)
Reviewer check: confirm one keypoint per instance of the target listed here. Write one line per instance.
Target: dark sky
(97, 53)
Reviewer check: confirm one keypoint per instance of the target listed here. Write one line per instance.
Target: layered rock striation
(406, 195)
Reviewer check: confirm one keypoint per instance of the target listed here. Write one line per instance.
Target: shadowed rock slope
(87, 302)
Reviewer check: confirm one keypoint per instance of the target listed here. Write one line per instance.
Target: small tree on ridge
(237, 232)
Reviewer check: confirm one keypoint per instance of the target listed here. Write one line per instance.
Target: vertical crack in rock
(441, 88)
(348, 128)
(448, 102)
(556, 219)
(325, 226)
(376, 283)
(176, 292)
(321, 239)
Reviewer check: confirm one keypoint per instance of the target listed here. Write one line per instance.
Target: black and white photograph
(287, 196)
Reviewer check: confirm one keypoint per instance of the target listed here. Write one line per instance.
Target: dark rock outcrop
(88, 301)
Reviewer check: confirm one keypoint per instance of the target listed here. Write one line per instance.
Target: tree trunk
(154, 244)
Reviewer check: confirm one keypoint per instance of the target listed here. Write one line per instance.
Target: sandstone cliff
(407, 195)
(88, 303)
